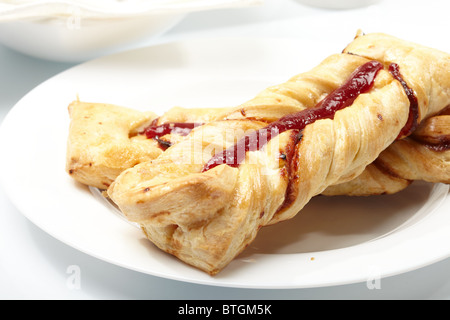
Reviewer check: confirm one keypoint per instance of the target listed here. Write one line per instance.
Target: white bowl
(73, 39)
(77, 30)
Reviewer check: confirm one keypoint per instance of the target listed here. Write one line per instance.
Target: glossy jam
(359, 82)
(180, 128)
(413, 117)
(441, 147)
(440, 144)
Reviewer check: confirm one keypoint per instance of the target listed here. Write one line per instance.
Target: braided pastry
(203, 202)
(104, 139)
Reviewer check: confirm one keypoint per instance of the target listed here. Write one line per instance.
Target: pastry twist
(207, 217)
(104, 139)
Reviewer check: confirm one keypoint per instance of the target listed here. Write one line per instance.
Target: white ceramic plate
(334, 241)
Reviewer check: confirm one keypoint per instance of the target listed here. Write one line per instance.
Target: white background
(33, 265)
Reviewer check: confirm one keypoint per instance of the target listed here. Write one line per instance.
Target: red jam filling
(413, 117)
(442, 144)
(359, 82)
(441, 147)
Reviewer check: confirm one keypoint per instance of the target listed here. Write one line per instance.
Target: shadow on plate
(328, 223)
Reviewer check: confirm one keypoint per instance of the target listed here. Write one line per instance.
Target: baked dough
(103, 141)
(425, 155)
(207, 218)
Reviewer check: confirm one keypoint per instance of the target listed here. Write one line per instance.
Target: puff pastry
(425, 155)
(207, 217)
(103, 141)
